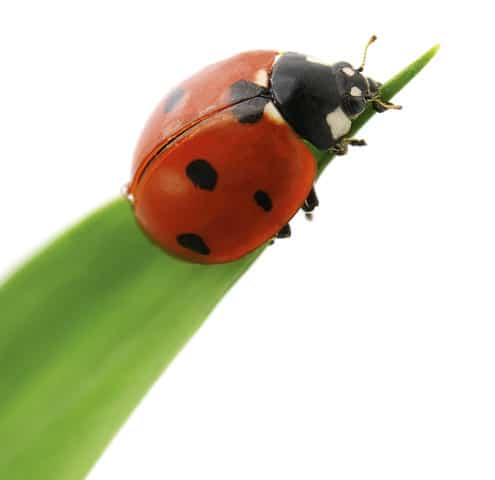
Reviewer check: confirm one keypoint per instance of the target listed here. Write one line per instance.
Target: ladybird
(223, 163)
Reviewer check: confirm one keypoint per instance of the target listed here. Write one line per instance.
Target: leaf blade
(90, 323)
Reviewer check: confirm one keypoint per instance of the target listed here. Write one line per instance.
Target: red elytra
(205, 93)
(217, 171)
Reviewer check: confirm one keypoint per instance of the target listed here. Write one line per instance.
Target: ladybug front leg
(381, 106)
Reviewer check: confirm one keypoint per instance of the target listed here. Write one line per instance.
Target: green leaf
(87, 326)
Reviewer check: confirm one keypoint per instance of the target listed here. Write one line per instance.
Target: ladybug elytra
(223, 165)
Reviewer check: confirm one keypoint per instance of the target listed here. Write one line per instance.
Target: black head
(320, 100)
(355, 89)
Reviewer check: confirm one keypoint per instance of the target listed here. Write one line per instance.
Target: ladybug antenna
(370, 41)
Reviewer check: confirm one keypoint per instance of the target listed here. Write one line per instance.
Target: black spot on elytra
(250, 111)
(193, 242)
(263, 200)
(243, 89)
(202, 174)
(173, 99)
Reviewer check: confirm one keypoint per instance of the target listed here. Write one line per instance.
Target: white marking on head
(339, 123)
(261, 78)
(273, 114)
(348, 71)
(356, 91)
(316, 60)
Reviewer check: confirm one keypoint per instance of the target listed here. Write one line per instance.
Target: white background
(363, 347)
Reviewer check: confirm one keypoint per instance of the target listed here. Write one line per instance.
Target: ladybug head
(354, 89)
(320, 100)
(357, 90)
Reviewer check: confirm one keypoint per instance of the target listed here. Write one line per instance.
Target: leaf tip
(434, 50)
(429, 54)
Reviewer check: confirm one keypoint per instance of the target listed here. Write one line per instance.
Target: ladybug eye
(353, 103)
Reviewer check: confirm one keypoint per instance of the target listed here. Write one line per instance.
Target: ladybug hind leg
(284, 232)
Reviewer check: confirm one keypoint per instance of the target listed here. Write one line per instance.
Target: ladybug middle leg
(311, 201)
(342, 147)
(310, 204)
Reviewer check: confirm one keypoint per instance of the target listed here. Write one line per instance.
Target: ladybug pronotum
(223, 163)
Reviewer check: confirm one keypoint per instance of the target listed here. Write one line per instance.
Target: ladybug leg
(381, 105)
(284, 232)
(342, 147)
(311, 201)
(310, 204)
